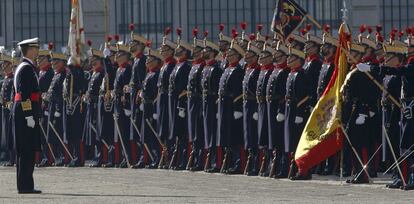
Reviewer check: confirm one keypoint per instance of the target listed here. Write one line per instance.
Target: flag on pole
(323, 136)
(287, 16)
(76, 35)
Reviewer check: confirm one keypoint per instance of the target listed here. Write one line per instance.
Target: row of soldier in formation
(235, 107)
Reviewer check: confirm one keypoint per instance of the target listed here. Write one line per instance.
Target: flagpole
(106, 17)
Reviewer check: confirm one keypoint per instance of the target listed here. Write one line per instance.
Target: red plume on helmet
(131, 27)
(50, 46)
(195, 32)
(380, 38)
(234, 34)
(116, 37)
(221, 27)
(267, 37)
(303, 31)
(259, 27)
(408, 31)
(362, 28)
(252, 37)
(167, 31)
(148, 44)
(327, 28)
(369, 29)
(392, 36)
(400, 34)
(379, 28)
(291, 39)
(89, 43)
(308, 27)
(179, 31)
(108, 38)
(205, 33)
(243, 25)
(233, 30)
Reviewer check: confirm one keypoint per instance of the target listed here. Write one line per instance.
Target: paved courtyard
(98, 185)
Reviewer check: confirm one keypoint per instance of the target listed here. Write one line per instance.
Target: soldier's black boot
(235, 161)
(226, 160)
(198, 161)
(211, 166)
(44, 163)
(397, 183)
(302, 175)
(284, 166)
(110, 163)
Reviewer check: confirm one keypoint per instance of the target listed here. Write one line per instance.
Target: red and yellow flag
(76, 31)
(323, 133)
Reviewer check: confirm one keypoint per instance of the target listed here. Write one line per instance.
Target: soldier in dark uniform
(177, 104)
(26, 114)
(74, 87)
(328, 51)
(149, 96)
(6, 94)
(54, 99)
(275, 97)
(295, 103)
(394, 58)
(250, 116)
(229, 121)
(209, 82)
(45, 78)
(358, 99)
(91, 100)
(122, 110)
(266, 69)
(105, 125)
(194, 106)
(162, 116)
(137, 46)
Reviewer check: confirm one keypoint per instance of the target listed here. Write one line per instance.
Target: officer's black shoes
(33, 191)
(74, 163)
(408, 187)
(252, 172)
(302, 177)
(8, 164)
(397, 183)
(44, 163)
(359, 180)
(234, 170)
(95, 164)
(139, 165)
(123, 164)
(58, 163)
(179, 168)
(153, 165)
(281, 175)
(108, 165)
(212, 170)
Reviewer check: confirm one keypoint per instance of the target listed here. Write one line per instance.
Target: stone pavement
(98, 185)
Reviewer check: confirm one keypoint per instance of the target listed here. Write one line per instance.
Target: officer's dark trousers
(25, 162)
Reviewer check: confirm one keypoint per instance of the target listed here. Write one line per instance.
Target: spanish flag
(323, 134)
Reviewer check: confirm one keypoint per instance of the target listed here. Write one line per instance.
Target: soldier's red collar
(267, 67)
(139, 55)
(371, 59)
(199, 61)
(312, 58)
(410, 59)
(123, 65)
(45, 68)
(98, 69)
(255, 65)
(169, 60)
(295, 69)
(234, 64)
(9, 75)
(282, 65)
(328, 60)
(211, 62)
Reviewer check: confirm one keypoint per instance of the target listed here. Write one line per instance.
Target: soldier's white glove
(127, 112)
(106, 52)
(57, 114)
(127, 89)
(371, 114)
(181, 112)
(255, 116)
(298, 120)
(237, 114)
(46, 113)
(30, 122)
(361, 119)
(363, 67)
(141, 107)
(280, 117)
(155, 116)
